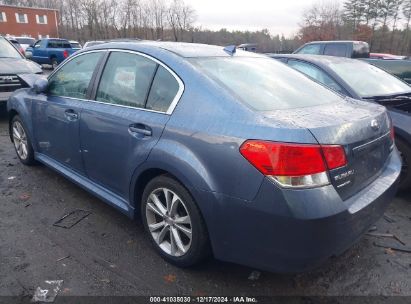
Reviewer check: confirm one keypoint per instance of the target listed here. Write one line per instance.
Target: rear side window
(337, 50)
(312, 49)
(73, 79)
(126, 80)
(163, 91)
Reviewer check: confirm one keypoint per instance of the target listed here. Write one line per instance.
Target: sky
(279, 16)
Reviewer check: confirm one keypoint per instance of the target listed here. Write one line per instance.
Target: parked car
(360, 80)
(17, 45)
(51, 51)
(93, 43)
(12, 66)
(25, 42)
(350, 49)
(386, 56)
(250, 47)
(75, 45)
(398, 67)
(279, 177)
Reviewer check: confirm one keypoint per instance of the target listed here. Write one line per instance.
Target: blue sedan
(218, 151)
(360, 80)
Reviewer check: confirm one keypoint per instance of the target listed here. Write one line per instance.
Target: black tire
(54, 63)
(29, 159)
(200, 245)
(405, 151)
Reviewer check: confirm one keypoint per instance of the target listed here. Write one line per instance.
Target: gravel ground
(108, 254)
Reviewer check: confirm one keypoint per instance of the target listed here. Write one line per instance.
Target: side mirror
(40, 85)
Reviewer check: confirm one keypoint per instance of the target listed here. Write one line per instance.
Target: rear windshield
(28, 41)
(7, 50)
(264, 84)
(368, 80)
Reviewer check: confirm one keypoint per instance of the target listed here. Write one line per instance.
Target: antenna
(231, 49)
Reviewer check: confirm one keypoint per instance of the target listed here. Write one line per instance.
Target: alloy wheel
(169, 222)
(20, 140)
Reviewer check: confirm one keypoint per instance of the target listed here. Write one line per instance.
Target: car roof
(321, 60)
(181, 49)
(336, 41)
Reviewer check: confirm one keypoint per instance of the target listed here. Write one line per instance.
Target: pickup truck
(350, 49)
(50, 51)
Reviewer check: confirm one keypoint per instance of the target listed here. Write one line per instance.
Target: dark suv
(12, 64)
(350, 49)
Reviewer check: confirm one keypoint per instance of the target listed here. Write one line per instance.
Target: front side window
(37, 44)
(263, 83)
(73, 79)
(315, 73)
(163, 91)
(338, 50)
(7, 50)
(126, 80)
(312, 49)
(21, 18)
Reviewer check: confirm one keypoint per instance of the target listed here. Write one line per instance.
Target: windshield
(263, 83)
(28, 41)
(7, 50)
(75, 45)
(368, 80)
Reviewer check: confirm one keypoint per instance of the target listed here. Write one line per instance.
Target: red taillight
(65, 54)
(283, 159)
(294, 165)
(22, 51)
(334, 156)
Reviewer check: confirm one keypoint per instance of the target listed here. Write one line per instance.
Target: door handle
(140, 129)
(71, 115)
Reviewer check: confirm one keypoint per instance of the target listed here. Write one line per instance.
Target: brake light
(65, 54)
(22, 51)
(334, 156)
(294, 165)
(392, 133)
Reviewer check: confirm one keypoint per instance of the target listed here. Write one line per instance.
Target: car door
(56, 114)
(133, 98)
(37, 52)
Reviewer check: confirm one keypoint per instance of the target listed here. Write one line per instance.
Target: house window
(3, 17)
(41, 19)
(21, 18)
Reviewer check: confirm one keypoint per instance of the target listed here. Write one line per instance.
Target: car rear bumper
(295, 230)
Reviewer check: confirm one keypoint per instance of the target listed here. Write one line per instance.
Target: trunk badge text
(344, 176)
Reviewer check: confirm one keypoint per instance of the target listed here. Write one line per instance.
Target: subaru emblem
(374, 125)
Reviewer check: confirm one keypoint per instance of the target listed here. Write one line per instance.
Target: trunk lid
(363, 129)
